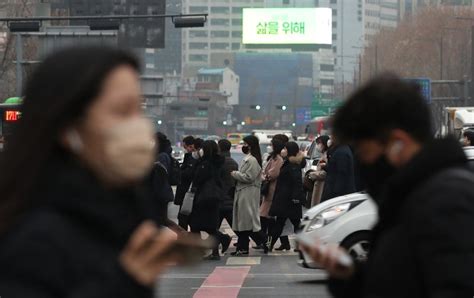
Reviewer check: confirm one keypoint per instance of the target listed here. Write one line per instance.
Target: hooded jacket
(68, 245)
(422, 245)
(289, 194)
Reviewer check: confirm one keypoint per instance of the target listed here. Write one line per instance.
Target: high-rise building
(222, 33)
(411, 7)
(380, 14)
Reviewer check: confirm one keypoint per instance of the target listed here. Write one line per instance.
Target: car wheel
(358, 245)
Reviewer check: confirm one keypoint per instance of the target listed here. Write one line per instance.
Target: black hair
(56, 97)
(198, 143)
(385, 103)
(469, 134)
(324, 141)
(278, 145)
(188, 141)
(282, 137)
(164, 144)
(253, 142)
(292, 148)
(224, 145)
(210, 149)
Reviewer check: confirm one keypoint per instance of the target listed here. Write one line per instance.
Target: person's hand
(328, 257)
(146, 254)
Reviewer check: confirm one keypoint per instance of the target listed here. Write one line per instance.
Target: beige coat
(271, 173)
(319, 177)
(247, 196)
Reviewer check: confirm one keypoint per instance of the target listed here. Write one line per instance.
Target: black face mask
(245, 150)
(375, 176)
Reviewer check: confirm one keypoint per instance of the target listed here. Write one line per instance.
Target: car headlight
(328, 215)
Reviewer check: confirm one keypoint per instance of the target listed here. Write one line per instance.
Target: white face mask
(201, 153)
(128, 152)
(195, 155)
(320, 148)
(329, 143)
(284, 153)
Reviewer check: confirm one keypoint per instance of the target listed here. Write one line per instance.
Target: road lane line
(223, 282)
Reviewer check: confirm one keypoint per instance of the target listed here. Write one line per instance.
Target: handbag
(188, 202)
(265, 188)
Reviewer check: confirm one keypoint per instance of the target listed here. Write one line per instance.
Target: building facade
(222, 33)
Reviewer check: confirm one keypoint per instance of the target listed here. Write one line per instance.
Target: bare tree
(7, 54)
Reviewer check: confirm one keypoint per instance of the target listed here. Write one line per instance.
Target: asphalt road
(258, 275)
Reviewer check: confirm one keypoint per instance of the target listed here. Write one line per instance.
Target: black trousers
(214, 233)
(280, 225)
(244, 239)
(227, 215)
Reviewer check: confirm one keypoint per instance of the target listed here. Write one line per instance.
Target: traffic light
(283, 108)
(256, 107)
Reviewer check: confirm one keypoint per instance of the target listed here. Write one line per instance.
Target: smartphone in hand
(344, 259)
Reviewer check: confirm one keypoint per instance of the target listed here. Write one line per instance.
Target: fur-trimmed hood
(298, 159)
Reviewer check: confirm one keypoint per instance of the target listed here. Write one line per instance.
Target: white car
(345, 220)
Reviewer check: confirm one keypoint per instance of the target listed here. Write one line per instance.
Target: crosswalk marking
(244, 261)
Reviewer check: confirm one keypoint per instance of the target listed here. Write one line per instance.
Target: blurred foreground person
(422, 245)
(73, 220)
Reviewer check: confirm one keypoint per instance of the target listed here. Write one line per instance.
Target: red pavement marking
(223, 282)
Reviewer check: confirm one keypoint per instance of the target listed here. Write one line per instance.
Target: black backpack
(175, 172)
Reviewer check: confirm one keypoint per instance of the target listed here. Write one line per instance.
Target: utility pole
(472, 62)
(19, 66)
(441, 58)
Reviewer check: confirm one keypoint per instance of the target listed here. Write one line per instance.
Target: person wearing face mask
(187, 175)
(209, 191)
(340, 175)
(319, 176)
(246, 219)
(289, 195)
(270, 175)
(80, 224)
(197, 147)
(422, 245)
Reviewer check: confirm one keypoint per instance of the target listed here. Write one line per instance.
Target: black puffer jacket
(205, 214)
(230, 165)
(68, 246)
(423, 244)
(289, 194)
(340, 179)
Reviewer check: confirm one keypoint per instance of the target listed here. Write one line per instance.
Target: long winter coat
(289, 193)
(247, 196)
(340, 179)
(187, 176)
(270, 173)
(230, 165)
(205, 214)
(423, 245)
(69, 244)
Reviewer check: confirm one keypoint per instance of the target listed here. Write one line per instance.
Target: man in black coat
(230, 165)
(187, 175)
(340, 178)
(422, 245)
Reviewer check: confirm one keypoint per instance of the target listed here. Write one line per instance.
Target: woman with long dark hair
(289, 195)
(74, 222)
(246, 221)
(209, 191)
(270, 175)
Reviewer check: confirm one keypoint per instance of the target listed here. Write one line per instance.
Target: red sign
(12, 115)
